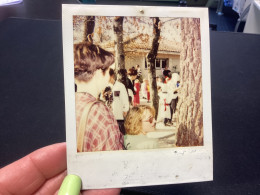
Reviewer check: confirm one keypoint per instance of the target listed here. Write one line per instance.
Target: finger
(52, 185)
(71, 185)
(28, 174)
(114, 191)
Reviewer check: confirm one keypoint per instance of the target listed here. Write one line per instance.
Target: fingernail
(71, 185)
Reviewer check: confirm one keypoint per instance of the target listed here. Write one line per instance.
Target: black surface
(32, 90)
(32, 103)
(50, 9)
(35, 9)
(225, 22)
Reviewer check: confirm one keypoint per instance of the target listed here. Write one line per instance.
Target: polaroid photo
(137, 95)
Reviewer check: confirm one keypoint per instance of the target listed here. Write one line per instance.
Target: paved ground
(167, 134)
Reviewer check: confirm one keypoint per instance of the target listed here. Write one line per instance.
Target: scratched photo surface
(151, 95)
(137, 95)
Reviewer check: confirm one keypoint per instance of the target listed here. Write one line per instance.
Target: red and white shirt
(102, 132)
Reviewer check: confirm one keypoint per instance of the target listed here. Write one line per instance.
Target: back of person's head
(132, 72)
(133, 120)
(111, 72)
(122, 75)
(88, 58)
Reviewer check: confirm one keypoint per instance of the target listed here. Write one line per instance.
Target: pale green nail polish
(71, 185)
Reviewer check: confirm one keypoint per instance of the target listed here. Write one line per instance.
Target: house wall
(174, 61)
(174, 64)
(131, 61)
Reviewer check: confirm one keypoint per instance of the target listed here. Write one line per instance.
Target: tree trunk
(150, 58)
(89, 28)
(119, 46)
(189, 108)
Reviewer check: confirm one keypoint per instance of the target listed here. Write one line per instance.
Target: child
(146, 90)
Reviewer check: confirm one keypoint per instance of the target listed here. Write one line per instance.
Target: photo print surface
(153, 88)
(138, 87)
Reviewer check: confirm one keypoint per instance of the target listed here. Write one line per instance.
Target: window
(163, 63)
(159, 63)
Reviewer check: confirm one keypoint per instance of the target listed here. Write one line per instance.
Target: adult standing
(172, 90)
(122, 77)
(133, 74)
(120, 104)
(91, 70)
(139, 73)
(146, 90)
(137, 90)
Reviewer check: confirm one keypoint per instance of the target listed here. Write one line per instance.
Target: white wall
(131, 61)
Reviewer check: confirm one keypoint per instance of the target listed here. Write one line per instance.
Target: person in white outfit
(165, 97)
(172, 91)
(164, 104)
(120, 104)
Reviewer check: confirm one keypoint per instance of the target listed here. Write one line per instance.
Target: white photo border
(117, 169)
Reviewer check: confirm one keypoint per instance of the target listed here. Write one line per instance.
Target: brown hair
(88, 58)
(133, 121)
(132, 71)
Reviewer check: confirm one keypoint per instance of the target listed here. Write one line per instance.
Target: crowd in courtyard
(114, 109)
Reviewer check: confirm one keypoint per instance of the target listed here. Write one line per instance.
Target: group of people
(116, 124)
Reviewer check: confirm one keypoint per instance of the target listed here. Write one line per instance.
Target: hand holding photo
(137, 93)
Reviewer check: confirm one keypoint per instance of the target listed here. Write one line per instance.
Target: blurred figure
(132, 72)
(173, 87)
(139, 73)
(146, 90)
(137, 90)
(122, 77)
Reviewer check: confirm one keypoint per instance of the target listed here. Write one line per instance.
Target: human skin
(96, 84)
(40, 172)
(146, 125)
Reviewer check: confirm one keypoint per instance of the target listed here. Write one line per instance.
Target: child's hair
(133, 121)
(88, 58)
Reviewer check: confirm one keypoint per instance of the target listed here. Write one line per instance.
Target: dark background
(32, 110)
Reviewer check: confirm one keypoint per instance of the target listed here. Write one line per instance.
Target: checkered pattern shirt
(102, 132)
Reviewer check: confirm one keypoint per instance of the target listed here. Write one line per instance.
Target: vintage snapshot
(137, 94)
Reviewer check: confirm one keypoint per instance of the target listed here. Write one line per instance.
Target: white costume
(172, 85)
(144, 90)
(165, 100)
(120, 100)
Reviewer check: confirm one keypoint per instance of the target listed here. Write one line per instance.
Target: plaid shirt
(102, 132)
